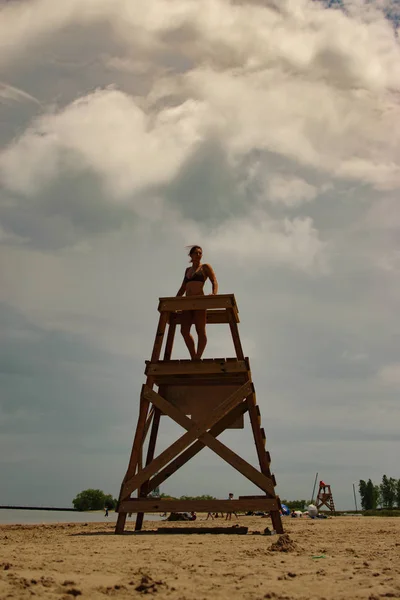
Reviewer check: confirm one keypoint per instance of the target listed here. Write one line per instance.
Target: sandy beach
(342, 557)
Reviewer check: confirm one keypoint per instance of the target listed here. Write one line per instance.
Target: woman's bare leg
(200, 320)
(187, 320)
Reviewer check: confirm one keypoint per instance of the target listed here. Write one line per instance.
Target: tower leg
(120, 526)
(157, 414)
(262, 455)
(143, 411)
(235, 335)
(150, 455)
(134, 459)
(276, 521)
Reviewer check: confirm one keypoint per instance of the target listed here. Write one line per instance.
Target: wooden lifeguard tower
(325, 497)
(216, 393)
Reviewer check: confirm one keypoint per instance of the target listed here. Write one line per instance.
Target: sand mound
(284, 544)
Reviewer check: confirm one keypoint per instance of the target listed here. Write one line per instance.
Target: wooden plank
(191, 381)
(235, 335)
(238, 463)
(264, 437)
(153, 436)
(144, 490)
(259, 479)
(215, 316)
(277, 519)
(144, 404)
(263, 456)
(258, 439)
(140, 459)
(149, 505)
(199, 402)
(170, 340)
(175, 303)
(194, 430)
(235, 396)
(150, 455)
(138, 439)
(254, 497)
(141, 424)
(195, 448)
(134, 459)
(120, 525)
(162, 323)
(202, 530)
(148, 423)
(192, 368)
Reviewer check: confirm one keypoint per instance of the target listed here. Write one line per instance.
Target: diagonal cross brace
(198, 431)
(194, 430)
(195, 448)
(238, 463)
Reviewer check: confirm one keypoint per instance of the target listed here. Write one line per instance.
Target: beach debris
(110, 590)
(147, 585)
(284, 544)
(268, 531)
(318, 556)
(234, 530)
(46, 581)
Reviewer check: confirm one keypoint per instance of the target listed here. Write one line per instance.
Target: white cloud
(383, 214)
(311, 84)
(294, 243)
(290, 191)
(38, 152)
(389, 262)
(354, 356)
(9, 94)
(389, 375)
(107, 132)
(382, 176)
(7, 237)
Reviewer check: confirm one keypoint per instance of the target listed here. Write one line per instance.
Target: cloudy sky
(268, 131)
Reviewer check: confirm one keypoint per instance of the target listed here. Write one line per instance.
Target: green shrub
(381, 513)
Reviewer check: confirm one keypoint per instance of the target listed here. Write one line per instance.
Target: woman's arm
(182, 289)
(210, 273)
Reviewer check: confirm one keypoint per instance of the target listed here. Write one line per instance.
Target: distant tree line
(383, 495)
(296, 504)
(203, 497)
(93, 500)
(97, 500)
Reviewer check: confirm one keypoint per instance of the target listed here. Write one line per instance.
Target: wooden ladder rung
(194, 368)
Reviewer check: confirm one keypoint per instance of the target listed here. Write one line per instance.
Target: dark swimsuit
(198, 276)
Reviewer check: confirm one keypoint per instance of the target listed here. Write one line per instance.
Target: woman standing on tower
(192, 285)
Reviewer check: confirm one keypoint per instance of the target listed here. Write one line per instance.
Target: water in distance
(33, 517)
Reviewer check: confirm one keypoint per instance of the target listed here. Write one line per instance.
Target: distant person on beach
(106, 513)
(229, 514)
(192, 285)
